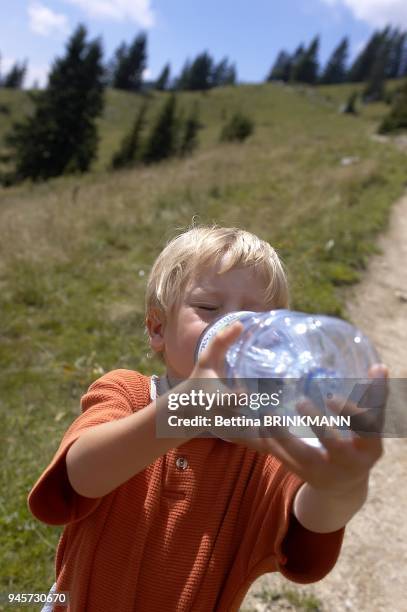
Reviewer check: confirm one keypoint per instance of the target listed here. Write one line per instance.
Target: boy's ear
(155, 327)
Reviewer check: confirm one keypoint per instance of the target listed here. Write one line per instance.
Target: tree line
(384, 56)
(125, 70)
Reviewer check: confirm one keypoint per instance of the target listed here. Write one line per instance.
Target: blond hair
(204, 245)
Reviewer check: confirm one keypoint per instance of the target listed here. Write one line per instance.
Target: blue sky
(249, 33)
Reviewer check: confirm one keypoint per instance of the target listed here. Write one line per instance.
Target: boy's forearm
(111, 453)
(325, 511)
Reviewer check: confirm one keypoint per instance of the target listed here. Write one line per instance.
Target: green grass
(286, 598)
(75, 254)
(302, 603)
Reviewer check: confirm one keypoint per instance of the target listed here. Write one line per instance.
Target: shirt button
(181, 463)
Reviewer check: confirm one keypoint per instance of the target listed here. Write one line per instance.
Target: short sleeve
(309, 556)
(304, 556)
(52, 499)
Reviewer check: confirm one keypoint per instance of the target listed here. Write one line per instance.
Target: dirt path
(371, 573)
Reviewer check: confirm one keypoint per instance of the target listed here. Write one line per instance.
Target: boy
(187, 524)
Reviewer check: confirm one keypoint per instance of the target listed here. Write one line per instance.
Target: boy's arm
(109, 454)
(324, 511)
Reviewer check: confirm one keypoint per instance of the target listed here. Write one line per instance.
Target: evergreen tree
(60, 136)
(162, 82)
(183, 80)
(361, 68)
(129, 64)
(112, 69)
(162, 140)
(281, 69)
(130, 146)
(403, 62)
(189, 140)
(296, 60)
(223, 74)
(394, 54)
(335, 69)
(375, 87)
(14, 79)
(305, 70)
(397, 117)
(203, 73)
(200, 74)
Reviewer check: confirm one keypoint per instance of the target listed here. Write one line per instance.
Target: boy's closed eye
(207, 307)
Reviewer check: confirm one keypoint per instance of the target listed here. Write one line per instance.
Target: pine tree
(397, 117)
(296, 59)
(182, 82)
(130, 146)
(14, 79)
(189, 140)
(281, 68)
(306, 69)
(162, 140)
(223, 74)
(114, 66)
(61, 136)
(129, 64)
(403, 62)
(200, 74)
(397, 45)
(335, 69)
(361, 68)
(162, 82)
(375, 87)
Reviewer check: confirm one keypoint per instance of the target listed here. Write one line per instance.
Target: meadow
(75, 253)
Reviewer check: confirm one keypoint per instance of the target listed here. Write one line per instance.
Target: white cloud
(139, 11)
(378, 13)
(45, 22)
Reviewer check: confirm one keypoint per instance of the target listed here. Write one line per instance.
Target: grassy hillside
(75, 253)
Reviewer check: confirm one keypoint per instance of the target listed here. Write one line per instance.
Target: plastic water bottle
(307, 355)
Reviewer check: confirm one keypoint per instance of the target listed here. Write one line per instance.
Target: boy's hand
(343, 464)
(211, 362)
(209, 371)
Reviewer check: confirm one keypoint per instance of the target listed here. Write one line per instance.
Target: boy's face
(206, 297)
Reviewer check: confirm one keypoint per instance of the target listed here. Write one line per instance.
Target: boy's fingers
(215, 352)
(379, 370)
(329, 436)
(307, 408)
(368, 410)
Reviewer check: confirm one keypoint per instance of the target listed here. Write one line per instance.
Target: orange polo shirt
(180, 536)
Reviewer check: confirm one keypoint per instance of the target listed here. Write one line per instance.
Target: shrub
(349, 107)
(238, 128)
